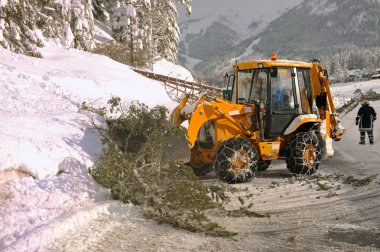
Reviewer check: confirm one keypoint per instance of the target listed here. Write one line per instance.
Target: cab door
(229, 84)
(283, 106)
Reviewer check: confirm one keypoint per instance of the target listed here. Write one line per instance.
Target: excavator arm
(202, 111)
(326, 104)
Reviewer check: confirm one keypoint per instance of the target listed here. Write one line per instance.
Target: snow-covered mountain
(216, 26)
(294, 29)
(317, 28)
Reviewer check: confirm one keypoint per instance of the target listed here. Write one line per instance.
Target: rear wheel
(236, 160)
(262, 165)
(304, 153)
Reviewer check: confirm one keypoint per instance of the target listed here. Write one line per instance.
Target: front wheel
(235, 161)
(304, 153)
(263, 165)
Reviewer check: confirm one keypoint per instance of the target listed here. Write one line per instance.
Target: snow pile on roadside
(344, 92)
(46, 136)
(40, 98)
(33, 212)
(167, 68)
(347, 89)
(340, 100)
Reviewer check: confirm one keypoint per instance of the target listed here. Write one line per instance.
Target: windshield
(275, 87)
(282, 90)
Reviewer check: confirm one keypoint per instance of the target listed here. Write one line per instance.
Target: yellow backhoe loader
(269, 109)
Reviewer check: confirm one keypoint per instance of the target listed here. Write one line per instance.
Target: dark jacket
(366, 116)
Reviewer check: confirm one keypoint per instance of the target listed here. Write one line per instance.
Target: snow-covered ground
(47, 145)
(44, 133)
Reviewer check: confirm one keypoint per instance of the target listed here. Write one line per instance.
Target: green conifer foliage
(26, 24)
(131, 166)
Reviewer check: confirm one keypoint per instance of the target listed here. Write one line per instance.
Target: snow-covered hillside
(44, 134)
(40, 98)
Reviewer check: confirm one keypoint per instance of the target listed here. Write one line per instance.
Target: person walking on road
(365, 118)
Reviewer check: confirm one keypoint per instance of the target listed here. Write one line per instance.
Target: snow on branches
(26, 25)
(149, 27)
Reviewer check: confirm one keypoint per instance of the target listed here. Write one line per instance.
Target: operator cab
(284, 87)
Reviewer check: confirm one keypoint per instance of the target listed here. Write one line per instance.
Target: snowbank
(46, 136)
(40, 120)
(347, 89)
(165, 67)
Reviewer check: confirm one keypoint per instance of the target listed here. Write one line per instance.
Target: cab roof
(269, 63)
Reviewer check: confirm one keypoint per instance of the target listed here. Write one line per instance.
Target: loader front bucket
(175, 116)
(176, 150)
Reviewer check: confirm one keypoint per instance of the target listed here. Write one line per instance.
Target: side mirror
(321, 100)
(273, 72)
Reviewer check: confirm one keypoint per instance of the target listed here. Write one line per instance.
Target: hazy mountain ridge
(215, 28)
(201, 46)
(317, 28)
(333, 30)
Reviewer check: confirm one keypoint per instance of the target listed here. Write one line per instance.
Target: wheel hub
(309, 155)
(239, 162)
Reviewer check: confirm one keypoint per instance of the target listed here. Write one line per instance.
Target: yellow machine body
(213, 121)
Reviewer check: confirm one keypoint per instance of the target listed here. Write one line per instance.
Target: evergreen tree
(79, 17)
(103, 9)
(25, 24)
(99, 9)
(152, 31)
(165, 32)
(22, 24)
(127, 29)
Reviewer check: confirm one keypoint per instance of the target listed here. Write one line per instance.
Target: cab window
(259, 91)
(282, 90)
(306, 93)
(244, 86)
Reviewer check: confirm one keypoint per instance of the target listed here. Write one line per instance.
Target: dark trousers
(370, 136)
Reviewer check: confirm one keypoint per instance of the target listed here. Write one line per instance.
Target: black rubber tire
(303, 146)
(202, 171)
(263, 165)
(236, 161)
